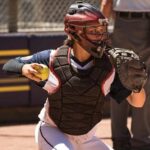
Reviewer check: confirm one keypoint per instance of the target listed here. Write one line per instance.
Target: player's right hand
(29, 71)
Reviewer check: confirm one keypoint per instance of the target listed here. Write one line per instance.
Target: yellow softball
(43, 71)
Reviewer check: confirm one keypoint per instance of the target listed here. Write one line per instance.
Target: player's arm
(25, 65)
(106, 7)
(131, 74)
(119, 93)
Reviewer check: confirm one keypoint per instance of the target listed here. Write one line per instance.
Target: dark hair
(68, 42)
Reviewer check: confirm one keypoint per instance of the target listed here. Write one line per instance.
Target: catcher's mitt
(132, 72)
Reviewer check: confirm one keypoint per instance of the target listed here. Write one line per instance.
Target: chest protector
(77, 104)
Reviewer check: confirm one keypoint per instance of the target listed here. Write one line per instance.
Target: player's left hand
(133, 74)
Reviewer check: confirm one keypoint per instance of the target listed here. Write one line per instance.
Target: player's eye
(96, 30)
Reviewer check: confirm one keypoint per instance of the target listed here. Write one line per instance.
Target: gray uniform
(132, 31)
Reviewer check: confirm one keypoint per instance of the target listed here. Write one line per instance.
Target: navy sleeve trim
(40, 57)
(13, 66)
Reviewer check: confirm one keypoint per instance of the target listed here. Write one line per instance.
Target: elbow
(142, 99)
(142, 102)
(4, 68)
(140, 105)
(137, 99)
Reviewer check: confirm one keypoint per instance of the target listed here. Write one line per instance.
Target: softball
(43, 71)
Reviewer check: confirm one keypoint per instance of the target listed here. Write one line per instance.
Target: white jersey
(131, 5)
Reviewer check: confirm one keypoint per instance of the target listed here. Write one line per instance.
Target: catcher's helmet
(88, 26)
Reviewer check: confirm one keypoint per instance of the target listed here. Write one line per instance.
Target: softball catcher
(82, 73)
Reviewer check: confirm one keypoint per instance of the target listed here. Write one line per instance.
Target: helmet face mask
(96, 33)
(88, 27)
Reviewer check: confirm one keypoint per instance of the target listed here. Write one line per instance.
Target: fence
(34, 15)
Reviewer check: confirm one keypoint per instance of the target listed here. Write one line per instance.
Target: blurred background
(34, 15)
(26, 27)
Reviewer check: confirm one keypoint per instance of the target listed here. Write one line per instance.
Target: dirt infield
(21, 137)
(17, 137)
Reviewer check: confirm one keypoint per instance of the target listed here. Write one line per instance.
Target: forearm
(13, 66)
(137, 99)
(106, 7)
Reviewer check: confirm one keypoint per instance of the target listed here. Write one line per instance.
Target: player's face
(96, 33)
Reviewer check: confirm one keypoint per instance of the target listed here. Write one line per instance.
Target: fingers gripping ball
(42, 71)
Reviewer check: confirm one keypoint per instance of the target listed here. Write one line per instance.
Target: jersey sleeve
(14, 66)
(40, 57)
(117, 91)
